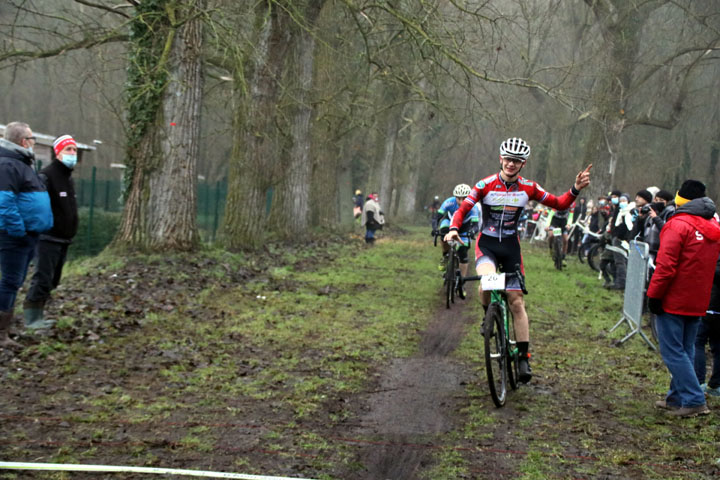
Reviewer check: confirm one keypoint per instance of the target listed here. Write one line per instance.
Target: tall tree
(290, 215)
(615, 105)
(254, 163)
(273, 80)
(164, 97)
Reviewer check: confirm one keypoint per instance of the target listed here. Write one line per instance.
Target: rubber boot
(34, 317)
(5, 340)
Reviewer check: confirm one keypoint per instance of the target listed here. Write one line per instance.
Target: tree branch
(672, 57)
(104, 7)
(28, 55)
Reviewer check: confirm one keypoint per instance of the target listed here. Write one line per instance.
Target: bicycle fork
(511, 343)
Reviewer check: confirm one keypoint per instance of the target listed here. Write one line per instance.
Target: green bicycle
(501, 351)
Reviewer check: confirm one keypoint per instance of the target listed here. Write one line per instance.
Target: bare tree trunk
(330, 195)
(172, 204)
(381, 176)
(414, 143)
(294, 206)
(408, 194)
(344, 192)
(160, 208)
(256, 154)
(290, 216)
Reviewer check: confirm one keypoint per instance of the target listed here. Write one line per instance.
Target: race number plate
(557, 231)
(494, 281)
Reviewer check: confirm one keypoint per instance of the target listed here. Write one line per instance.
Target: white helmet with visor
(515, 148)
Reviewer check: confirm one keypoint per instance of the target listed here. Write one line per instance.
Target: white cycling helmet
(515, 147)
(461, 190)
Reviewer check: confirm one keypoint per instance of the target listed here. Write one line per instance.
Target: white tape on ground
(110, 468)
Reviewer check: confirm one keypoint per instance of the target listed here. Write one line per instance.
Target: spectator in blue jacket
(25, 213)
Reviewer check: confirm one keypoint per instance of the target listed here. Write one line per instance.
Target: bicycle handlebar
(516, 274)
(436, 234)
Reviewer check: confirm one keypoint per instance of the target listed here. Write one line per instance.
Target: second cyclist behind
(559, 220)
(469, 227)
(503, 197)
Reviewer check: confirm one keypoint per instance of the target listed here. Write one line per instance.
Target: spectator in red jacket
(679, 293)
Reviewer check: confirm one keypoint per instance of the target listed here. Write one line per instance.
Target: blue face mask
(69, 160)
(614, 201)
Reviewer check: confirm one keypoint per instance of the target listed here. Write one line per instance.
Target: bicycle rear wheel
(495, 354)
(583, 251)
(594, 255)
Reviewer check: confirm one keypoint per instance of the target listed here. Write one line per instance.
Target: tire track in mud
(416, 400)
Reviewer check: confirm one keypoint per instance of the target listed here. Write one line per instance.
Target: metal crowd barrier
(637, 268)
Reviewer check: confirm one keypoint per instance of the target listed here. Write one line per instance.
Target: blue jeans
(708, 331)
(15, 256)
(676, 336)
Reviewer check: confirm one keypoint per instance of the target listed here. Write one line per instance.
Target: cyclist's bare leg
(485, 269)
(464, 269)
(565, 243)
(516, 302)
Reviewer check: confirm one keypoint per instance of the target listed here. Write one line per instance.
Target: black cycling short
(505, 255)
(559, 222)
(463, 253)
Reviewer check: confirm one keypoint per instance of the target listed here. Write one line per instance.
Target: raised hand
(582, 179)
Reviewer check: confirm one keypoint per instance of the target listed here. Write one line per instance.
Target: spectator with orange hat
(53, 245)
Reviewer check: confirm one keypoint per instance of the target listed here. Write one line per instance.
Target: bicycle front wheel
(593, 256)
(495, 354)
(451, 280)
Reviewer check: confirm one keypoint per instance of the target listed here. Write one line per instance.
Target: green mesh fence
(100, 205)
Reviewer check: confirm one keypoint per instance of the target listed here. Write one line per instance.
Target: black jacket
(61, 188)
(715, 293)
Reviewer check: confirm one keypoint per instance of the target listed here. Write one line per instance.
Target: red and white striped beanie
(62, 142)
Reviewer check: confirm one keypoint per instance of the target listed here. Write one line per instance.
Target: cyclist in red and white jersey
(503, 196)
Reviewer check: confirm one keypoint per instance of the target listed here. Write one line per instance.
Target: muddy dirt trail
(416, 399)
